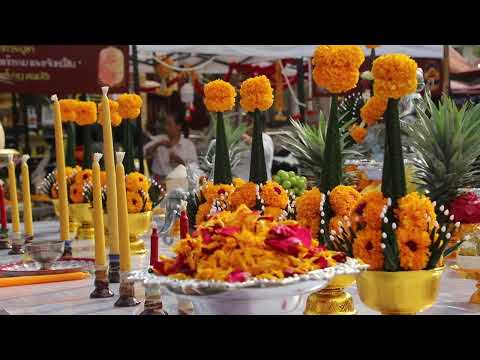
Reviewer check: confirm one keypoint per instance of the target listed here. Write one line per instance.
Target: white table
(72, 297)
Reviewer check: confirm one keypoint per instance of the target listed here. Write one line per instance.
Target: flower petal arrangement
(256, 93)
(395, 75)
(129, 106)
(219, 96)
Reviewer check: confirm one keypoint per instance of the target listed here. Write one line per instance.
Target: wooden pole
(446, 69)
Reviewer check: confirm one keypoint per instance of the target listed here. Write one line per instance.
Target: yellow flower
(256, 93)
(134, 202)
(69, 171)
(136, 182)
(358, 133)
(219, 96)
(336, 67)
(394, 76)
(273, 194)
(343, 199)
(115, 117)
(367, 248)
(369, 207)
(129, 106)
(211, 192)
(308, 205)
(415, 212)
(414, 248)
(202, 213)
(68, 109)
(313, 224)
(244, 195)
(86, 113)
(84, 176)
(237, 182)
(274, 212)
(103, 178)
(373, 109)
(76, 193)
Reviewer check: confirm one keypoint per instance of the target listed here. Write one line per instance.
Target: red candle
(154, 246)
(3, 208)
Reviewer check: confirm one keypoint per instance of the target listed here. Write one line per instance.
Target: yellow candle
(12, 181)
(123, 231)
(100, 259)
(61, 176)
(110, 170)
(27, 201)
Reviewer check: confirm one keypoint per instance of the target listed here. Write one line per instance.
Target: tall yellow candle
(61, 176)
(12, 181)
(100, 258)
(112, 208)
(123, 231)
(27, 201)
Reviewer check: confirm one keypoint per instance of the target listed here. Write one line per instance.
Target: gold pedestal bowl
(73, 226)
(471, 274)
(400, 292)
(333, 300)
(138, 225)
(83, 215)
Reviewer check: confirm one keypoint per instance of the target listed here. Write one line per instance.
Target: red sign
(63, 69)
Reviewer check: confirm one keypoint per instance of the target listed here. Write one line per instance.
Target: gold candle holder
(101, 283)
(82, 214)
(127, 292)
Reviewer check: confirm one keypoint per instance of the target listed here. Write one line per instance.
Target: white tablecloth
(72, 297)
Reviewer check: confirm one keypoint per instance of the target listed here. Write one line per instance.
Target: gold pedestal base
(471, 274)
(137, 246)
(85, 232)
(333, 300)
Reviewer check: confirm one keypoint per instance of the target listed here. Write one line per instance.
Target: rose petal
(238, 276)
(341, 257)
(321, 262)
(227, 231)
(206, 236)
(289, 245)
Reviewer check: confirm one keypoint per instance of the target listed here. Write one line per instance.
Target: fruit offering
(291, 181)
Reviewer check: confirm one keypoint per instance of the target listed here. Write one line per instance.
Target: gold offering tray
(471, 274)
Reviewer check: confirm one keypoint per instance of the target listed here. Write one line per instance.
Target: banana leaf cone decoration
(222, 172)
(258, 167)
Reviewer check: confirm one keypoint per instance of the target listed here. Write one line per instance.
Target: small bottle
(153, 247)
(183, 220)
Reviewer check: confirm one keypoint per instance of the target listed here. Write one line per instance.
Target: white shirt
(161, 166)
(242, 170)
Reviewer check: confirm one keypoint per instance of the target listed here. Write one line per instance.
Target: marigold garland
(219, 96)
(86, 113)
(83, 176)
(358, 133)
(130, 106)
(202, 213)
(244, 195)
(414, 248)
(395, 75)
(373, 109)
(76, 193)
(136, 181)
(273, 194)
(367, 247)
(134, 202)
(256, 93)
(68, 109)
(237, 182)
(343, 199)
(211, 192)
(415, 212)
(369, 208)
(308, 205)
(115, 117)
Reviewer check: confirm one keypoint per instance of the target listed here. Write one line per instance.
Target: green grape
(287, 184)
(277, 179)
(281, 173)
(294, 181)
(291, 173)
(304, 179)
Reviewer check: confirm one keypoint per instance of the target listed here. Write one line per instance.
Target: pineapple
(307, 145)
(446, 143)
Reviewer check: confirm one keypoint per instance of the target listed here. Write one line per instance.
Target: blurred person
(170, 150)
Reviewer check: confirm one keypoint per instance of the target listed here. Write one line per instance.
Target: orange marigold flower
(369, 207)
(76, 193)
(336, 67)
(83, 176)
(367, 248)
(311, 223)
(115, 117)
(273, 194)
(373, 109)
(103, 178)
(54, 191)
(414, 248)
(219, 96)
(415, 211)
(394, 76)
(343, 199)
(358, 133)
(68, 109)
(256, 93)
(273, 211)
(211, 192)
(86, 113)
(202, 213)
(134, 202)
(308, 205)
(69, 171)
(129, 106)
(136, 181)
(244, 195)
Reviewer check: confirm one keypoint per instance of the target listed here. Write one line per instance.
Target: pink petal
(289, 245)
(321, 262)
(238, 276)
(206, 236)
(227, 231)
(341, 258)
